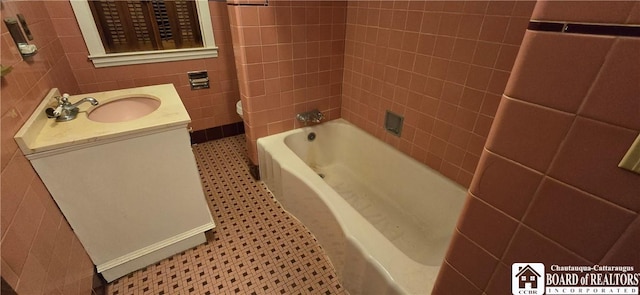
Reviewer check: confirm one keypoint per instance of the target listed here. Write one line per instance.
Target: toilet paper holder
(198, 80)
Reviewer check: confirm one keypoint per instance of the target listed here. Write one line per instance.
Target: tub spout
(313, 116)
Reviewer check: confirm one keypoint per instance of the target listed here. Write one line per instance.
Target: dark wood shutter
(126, 26)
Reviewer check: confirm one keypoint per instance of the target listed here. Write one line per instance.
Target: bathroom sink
(102, 175)
(120, 114)
(124, 109)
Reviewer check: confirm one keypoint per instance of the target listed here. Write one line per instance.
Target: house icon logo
(527, 278)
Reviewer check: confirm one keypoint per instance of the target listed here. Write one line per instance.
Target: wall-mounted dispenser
(25, 26)
(26, 49)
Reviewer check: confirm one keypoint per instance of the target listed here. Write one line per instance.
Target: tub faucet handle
(313, 116)
(316, 116)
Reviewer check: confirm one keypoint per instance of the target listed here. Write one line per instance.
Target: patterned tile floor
(256, 247)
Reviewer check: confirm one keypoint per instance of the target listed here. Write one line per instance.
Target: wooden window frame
(100, 58)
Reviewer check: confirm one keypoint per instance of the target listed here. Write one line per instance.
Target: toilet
(239, 108)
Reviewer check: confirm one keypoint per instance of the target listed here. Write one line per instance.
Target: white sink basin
(122, 113)
(124, 109)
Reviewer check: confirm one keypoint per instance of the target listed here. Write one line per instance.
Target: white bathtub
(384, 219)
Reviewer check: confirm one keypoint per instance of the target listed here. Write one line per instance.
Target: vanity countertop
(40, 134)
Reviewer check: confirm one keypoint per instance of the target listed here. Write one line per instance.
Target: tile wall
(289, 59)
(547, 188)
(40, 253)
(443, 65)
(207, 107)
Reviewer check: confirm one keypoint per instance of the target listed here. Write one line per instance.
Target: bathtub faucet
(313, 116)
(66, 111)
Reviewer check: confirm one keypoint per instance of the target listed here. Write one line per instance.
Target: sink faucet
(313, 116)
(66, 111)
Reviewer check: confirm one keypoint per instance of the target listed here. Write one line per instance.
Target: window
(131, 32)
(126, 26)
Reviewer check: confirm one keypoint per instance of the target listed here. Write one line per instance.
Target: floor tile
(256, 247)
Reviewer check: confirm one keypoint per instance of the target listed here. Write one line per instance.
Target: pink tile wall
(207, 108)
(289, 58)
(547, 188)
(443, 65)
(40, 253)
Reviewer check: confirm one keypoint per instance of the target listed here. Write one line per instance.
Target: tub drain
(311, 136)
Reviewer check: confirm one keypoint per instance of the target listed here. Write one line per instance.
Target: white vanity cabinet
(132, 198)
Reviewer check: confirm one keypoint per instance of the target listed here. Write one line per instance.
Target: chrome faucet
(313, 116)
(66, 111)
